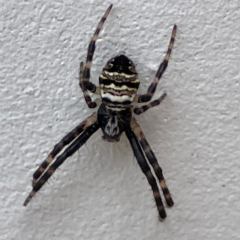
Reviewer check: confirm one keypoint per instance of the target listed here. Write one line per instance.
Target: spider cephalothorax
(112, 122)
(118, 85)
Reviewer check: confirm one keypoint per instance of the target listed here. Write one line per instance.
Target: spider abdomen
(118, 83)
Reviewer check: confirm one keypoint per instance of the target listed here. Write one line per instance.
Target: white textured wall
(100, 192)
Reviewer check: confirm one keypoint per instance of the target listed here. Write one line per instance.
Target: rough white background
(100, 192)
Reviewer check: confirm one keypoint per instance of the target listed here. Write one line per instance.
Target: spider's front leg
(84, 75)
(64, 149)
(152, 160)
(141, 159)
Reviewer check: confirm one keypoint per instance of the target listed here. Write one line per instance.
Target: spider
(118, 85)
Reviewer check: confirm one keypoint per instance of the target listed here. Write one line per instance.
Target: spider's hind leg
(84, 82)
(152, 88)
(88, 99)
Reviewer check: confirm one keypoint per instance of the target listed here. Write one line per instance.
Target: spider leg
(144, 108)
(85, 83)
(87, 98)
(152, 88)
(61, 151)
(141, 159)
(152, 160)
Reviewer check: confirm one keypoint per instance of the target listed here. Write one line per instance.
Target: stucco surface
(100, 192)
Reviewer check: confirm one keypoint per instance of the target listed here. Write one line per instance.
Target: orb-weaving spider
(118, 85)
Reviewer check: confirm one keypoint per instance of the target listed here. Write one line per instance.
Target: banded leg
(64, 149)
(138, 153)
(91, 48)
(86, 95)
(152, 88)
(152, 160)
(154, 103)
